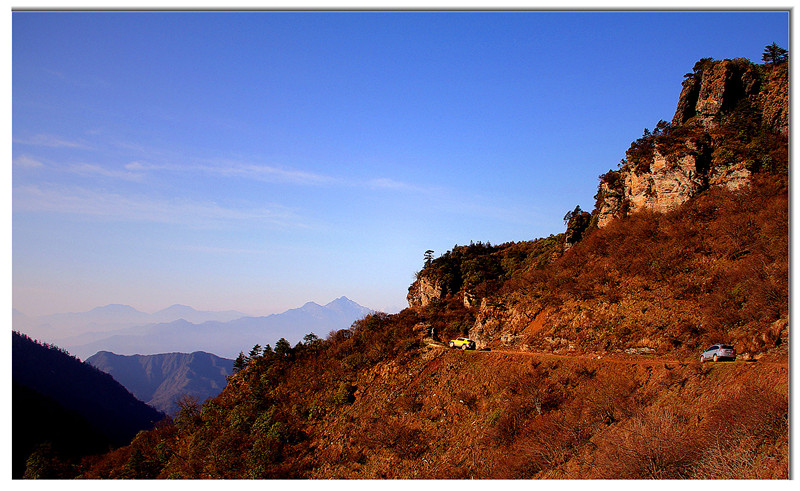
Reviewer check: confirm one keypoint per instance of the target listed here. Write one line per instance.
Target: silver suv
(719, 352)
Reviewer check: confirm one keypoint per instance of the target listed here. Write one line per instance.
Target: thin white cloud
(112, 206)
(278, 174)
(139, 166)
(97, 170)
(387, 183)
(243, 170)
(52, 141)
(27, 162)
(269, 173)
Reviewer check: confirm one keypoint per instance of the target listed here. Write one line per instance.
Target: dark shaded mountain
(160, 380)
(225, 339)
(60, 400)
(43, 426)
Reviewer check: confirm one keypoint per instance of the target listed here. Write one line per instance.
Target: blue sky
(258, 160)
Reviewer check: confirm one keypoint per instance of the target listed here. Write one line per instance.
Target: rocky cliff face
(666, 185)
(423, 291)
(716, 88)
(729, 121)
(713, 88)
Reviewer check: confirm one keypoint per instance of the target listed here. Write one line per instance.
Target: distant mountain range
(160, 380)
(109, 318)
(123, 330)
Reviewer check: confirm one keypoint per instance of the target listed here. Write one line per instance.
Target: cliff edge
(731, 121)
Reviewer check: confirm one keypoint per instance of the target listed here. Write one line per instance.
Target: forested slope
(64, 409)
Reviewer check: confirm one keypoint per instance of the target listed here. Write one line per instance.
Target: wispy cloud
(141, 166)
(389, 184)
(271, 174)
(278, 174)
(113, 206)
(52, 141)
(27, 162)
(98, 170)
(243, 170)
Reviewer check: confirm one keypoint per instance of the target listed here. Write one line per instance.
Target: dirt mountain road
(623, 358)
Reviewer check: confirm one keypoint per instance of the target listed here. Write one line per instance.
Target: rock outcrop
(423, 291)
(717, 87)
(725, 110)
(714, 88)
(577, 223)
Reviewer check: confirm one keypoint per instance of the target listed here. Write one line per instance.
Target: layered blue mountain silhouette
(123, 330)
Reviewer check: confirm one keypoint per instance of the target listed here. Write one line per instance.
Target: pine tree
(283, 348)
(310, 339)
(240, 362)
(774, 54)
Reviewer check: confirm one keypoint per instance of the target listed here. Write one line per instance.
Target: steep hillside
(588, 342)
(376, 402)
(714, 269)
(161, 380)
(72, 397)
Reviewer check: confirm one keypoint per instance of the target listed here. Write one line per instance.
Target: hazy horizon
(167, 307)
(255, 161)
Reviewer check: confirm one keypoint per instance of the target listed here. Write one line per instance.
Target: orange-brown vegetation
(438, 413)
(714, 269)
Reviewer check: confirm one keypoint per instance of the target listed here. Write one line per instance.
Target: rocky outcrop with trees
(731, 121)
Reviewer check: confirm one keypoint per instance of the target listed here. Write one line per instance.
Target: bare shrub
(468, 398)
(509, 423)
(608, 397)
(406, 442)
(546, 442)
(746, 437)
(656, 444)
(409, 403)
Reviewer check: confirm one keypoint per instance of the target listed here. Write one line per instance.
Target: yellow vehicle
(463, 343)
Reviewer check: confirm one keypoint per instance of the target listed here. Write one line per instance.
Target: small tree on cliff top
(774, 54)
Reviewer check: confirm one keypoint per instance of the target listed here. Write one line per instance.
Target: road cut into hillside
(624, 358)
(629, 359)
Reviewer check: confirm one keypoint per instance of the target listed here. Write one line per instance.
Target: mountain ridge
(160, 380)
(225, 339)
